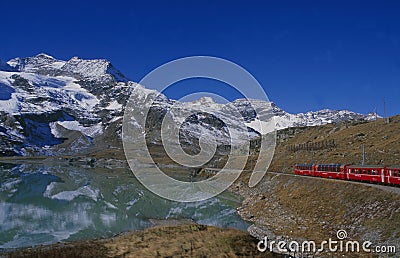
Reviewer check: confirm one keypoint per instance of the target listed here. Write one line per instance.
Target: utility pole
(384, 111)
(363, 154)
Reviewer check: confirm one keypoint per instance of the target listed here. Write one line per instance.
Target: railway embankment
(290, 207)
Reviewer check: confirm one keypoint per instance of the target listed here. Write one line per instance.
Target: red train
(370, 174)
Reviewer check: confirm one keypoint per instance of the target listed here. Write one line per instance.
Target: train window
(374, 172)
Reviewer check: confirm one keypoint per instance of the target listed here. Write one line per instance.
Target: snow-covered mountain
(53, 107)
(314, 118)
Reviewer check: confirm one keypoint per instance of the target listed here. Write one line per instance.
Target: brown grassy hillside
(168, 241)
(381, 140)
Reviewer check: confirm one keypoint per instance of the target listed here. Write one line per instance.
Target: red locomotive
(370, 174)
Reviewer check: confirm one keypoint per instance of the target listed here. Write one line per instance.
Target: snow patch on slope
(262, 127)
(90, 131)
(114, 105)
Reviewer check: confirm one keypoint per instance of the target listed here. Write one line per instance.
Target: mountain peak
(205, 100)
(44, 55)
(91, 69)
(98, 69)
(5, 67)
(41, 63)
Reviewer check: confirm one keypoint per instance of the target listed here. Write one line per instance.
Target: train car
(335, 171)
(392, 175)
(304, 169)
(369, 174)
(373, 174)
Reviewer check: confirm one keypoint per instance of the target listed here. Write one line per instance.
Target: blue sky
(307, 55)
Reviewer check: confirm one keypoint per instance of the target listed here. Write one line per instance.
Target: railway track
(392, 189)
